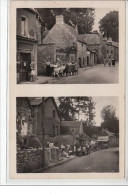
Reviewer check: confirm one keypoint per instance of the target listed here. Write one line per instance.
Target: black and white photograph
(67, 45)
(67, 134)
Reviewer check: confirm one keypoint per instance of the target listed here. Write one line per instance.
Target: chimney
(59, 19)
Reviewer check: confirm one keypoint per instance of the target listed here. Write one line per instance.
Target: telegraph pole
(43, 131)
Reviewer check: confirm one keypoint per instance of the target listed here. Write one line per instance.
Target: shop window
(23, 26)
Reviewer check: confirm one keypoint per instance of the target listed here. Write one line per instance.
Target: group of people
(110, 62)
(77, 149)
(58, 69)
(68, 150)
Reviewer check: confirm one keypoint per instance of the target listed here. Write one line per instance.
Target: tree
(110, 120)
(109, 25)
(82, 18)
(72, 107)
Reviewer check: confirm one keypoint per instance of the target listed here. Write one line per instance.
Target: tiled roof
(108, 132)
(70, 123)
(91, 39)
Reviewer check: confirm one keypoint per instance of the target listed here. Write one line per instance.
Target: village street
(97, 74)
(100, 161)
(93, 75)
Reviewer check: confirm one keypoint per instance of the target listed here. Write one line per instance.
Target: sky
(100, 103)
(99, 14)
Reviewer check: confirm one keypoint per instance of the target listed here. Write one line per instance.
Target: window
(53, 114)
(23, 26)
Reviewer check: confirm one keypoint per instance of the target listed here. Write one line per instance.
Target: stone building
(72, 127)
(63, 42)
(28, 33)
(100, 48)
(23, 116)
(110, 49)
(51, 116)
(107, 137)
(94, 45)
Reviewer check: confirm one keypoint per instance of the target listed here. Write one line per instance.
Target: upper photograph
(67, 46)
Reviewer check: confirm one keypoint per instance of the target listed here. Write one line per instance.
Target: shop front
(26, 53)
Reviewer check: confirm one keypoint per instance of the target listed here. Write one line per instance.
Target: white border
(3, 89)
(3, 78)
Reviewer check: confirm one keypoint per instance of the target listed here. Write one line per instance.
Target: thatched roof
(91, 39)
(63, 36)
(70, 123)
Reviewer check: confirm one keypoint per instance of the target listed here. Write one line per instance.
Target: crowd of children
(58, 69)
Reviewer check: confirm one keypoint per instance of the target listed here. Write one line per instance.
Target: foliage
(110, 120)
(72, 107)
(109, 25)
(82, 18)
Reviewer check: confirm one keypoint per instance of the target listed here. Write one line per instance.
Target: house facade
(94, 46)
(29, 117)
(51, 117)
(63, 42)
(28, 34)
(72, 127)
(100, 48)
(111, 49)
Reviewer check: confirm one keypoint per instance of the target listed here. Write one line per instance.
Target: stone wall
(45, 52)
(32, 159)
(28, 160)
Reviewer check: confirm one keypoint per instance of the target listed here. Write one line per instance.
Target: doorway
(80, 62)
(87, 60)
(25, 60)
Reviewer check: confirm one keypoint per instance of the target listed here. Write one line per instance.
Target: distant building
(111, 49)
(107, 137)
(28, 33)
(99, 48)
(72, 127)
(63, 42)
(94, 45)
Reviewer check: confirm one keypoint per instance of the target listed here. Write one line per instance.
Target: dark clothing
(113, 62)
(48, 69)
(88, 149)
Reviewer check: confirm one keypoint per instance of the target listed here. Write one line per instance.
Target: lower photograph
(67, 134)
